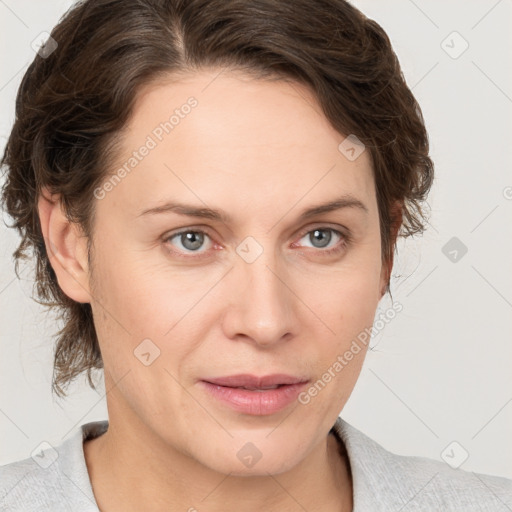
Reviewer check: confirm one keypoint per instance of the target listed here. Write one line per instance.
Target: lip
(256, 402)
(253, 381)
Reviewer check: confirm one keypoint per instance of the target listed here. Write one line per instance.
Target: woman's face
(256, 289)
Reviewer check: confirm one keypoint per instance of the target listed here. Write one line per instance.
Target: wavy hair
(74, 101)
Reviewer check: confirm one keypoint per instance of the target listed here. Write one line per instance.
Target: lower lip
(257, 403)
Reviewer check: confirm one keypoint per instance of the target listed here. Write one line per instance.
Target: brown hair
(72, 105)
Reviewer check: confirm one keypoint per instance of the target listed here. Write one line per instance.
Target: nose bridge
(263, 306)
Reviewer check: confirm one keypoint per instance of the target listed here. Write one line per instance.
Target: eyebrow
(345, 201)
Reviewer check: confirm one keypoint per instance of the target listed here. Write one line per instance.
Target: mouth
(255, 395)
(259, 389)
(253, 382)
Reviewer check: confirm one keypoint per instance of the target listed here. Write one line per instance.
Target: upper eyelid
(305, 231)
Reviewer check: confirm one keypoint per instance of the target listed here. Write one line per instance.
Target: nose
(262, 306)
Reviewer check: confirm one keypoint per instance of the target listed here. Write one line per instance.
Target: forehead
(224, 137)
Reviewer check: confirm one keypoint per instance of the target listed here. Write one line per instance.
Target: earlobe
(66, 248)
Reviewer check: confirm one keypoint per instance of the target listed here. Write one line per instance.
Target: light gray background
(440, 371)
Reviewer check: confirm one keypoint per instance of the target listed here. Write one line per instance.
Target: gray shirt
(56, 479)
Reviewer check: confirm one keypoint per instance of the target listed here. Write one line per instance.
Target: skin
(263, 152)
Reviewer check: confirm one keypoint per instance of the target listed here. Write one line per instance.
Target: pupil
(324, 239)
(192, 240)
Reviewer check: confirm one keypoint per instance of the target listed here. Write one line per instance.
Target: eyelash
(345, 241)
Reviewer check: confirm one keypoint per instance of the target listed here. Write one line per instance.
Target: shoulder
(387, 481)
(53, 478)
(24, 485)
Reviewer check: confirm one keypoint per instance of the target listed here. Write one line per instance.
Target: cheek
(144, 313)
(347, 308)
(347, 299)
(135, 293)
(141, 296)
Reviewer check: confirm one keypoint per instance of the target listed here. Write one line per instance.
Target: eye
(321, 237)
(189, 240)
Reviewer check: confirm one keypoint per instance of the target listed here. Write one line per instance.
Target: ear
(66, 247)
(396, 216)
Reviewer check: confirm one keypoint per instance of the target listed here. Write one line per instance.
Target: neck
(147, 474)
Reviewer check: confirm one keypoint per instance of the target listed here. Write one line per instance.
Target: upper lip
(253, 381)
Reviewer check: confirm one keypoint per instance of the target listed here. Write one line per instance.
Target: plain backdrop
(440, 371)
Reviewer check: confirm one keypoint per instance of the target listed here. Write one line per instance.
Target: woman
(214, 191)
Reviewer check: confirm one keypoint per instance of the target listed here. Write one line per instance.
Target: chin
(243, 457)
